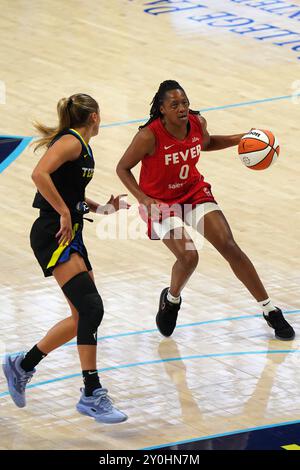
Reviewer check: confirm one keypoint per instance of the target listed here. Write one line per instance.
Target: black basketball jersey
(71, 178)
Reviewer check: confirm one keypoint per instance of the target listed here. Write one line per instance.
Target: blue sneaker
(17, 378)
(100, 407)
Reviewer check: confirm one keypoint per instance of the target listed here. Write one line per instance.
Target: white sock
(267, 306)
(171, 298)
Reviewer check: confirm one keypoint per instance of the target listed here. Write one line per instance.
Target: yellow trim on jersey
(58, 252)
(81, 138)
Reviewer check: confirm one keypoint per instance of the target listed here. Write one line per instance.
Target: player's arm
(142, 144)
(113, 204)
(93, 206)
(67, 148)
(217, 142)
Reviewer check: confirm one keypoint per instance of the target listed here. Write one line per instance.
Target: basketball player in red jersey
(171, 192)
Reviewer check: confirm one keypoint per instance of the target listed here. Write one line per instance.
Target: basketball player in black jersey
(61, 177)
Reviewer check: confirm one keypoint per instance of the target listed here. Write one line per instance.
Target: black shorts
(46, 248)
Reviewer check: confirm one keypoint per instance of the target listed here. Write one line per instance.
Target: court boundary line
(154, 330)
(212, 108)
(161, 361)
(230, 433)
(14, 155)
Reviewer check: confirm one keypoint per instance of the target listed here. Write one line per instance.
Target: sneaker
(17, 378)
(167, 314)
(283, 329)
(100, 407)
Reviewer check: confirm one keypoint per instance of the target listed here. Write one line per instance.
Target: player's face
(175, 107)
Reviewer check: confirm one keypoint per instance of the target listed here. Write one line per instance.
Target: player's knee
(93, 310)
(83, 294)
(189, 259)
(229, 248)
(90, 318)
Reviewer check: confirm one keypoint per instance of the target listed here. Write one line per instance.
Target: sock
(32, 358)
(171, 298)
(91, 381)
(267, 306)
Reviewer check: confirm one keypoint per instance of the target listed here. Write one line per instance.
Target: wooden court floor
(222, 370)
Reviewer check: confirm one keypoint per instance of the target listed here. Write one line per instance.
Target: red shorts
(177, 208)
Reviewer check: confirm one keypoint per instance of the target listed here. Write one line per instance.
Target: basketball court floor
(222, 374)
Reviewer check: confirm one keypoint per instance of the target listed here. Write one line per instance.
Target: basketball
(258, 149)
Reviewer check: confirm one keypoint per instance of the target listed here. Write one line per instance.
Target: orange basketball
(258, 149)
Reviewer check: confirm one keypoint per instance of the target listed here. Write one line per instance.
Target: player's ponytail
(72, 112)
(159, 97)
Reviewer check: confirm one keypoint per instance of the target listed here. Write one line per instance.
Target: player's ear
(93, 117)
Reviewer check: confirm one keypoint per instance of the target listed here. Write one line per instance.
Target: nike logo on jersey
(86, 155)
(169, 146)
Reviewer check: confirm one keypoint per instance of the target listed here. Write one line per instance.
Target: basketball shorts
(46, 248)
(170, 216)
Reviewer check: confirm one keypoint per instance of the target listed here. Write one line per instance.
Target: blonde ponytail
(72, 111)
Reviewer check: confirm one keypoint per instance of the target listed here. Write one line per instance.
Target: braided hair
(159, 97)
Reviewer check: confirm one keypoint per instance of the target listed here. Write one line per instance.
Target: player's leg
(185, 252)
(80, 289)
(63, 331)
(181, 245)
(218, 233)
(20, 368)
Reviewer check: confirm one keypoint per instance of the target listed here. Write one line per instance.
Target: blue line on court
(26, 140)
(160, 361)
(214, 108)
(213, 436)
(18, 150)
(154, 330)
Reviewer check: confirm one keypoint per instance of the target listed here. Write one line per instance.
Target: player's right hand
(65, 233)
(152, 207)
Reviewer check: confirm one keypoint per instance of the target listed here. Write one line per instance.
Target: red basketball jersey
(170, 174)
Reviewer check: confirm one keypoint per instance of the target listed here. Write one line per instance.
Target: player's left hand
(114, 204)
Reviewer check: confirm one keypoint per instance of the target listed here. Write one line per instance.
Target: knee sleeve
(83, 294)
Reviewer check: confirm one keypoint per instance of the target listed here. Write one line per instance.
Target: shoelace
(24, 379)
(105, 400)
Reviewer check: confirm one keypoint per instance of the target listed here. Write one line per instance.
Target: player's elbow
(36, 176)
(121, 168)
(118, 169)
